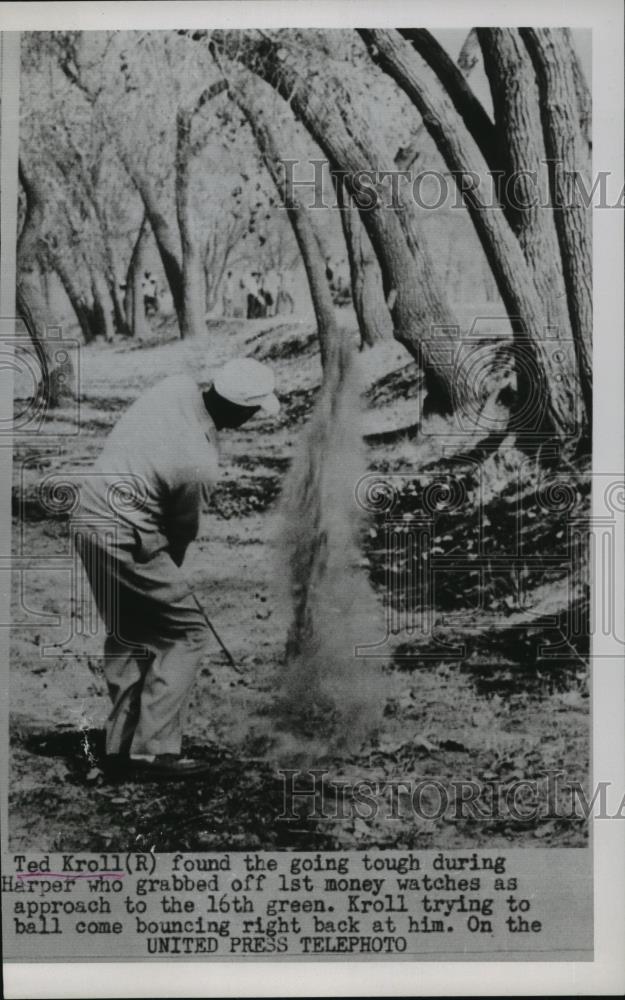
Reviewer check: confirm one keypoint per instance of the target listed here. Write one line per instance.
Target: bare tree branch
(460, 93)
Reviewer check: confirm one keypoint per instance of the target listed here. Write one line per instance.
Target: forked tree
(539, 259)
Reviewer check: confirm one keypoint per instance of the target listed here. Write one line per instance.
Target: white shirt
(157, 463)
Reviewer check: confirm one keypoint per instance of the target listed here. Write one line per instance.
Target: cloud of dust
(329, 698)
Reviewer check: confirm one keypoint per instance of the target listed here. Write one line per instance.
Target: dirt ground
(493, 714)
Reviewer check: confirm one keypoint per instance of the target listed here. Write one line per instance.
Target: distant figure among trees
(337, 273)
(255, 301)
(150, 293)
(227, 295)
(270, 290)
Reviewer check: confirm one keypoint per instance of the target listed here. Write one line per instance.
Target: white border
(606, 975)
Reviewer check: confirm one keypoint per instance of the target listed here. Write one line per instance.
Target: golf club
(224, 648)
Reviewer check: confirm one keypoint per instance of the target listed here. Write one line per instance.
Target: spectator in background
(255, 303)
(150, 293)
(227, 295)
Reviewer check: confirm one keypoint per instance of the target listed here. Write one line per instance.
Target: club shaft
(224, 648)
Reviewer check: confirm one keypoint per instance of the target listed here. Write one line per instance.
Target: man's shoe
(168, 765)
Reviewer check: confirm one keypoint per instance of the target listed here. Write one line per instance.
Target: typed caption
(251, 905)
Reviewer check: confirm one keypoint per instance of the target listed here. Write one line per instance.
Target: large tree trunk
(564, 143)
(167, 248)
(57, 376)
(514, 278)
(521, 156)
(255, 111)
(81, 302)
(103, 307)
(192, 319)
(422, 320)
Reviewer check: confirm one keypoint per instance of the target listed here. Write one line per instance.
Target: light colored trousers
(156, 639)
(150, 694)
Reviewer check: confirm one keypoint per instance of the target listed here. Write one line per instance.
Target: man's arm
(183, 519)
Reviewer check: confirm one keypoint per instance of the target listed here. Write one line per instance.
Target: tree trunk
(193, 323)
(299, 217)
(521, 155)
(57, 376)
(213, 276)
(567, 157)
(184, 289)
(467, 60)
(582, 91)
(422, 320)
(82, 305)
(374, 320)
(103, 306)
(168, 252)
(107, 285)
(119, 310)
(164, 237)
(133, 298)
(454, 79)
(514, 279)
(45, 285)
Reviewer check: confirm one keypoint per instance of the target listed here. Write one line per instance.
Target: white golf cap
(247, 383)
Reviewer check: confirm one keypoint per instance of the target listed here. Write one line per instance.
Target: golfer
(138, 512)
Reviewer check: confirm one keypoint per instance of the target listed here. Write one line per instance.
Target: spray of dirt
(330, 698)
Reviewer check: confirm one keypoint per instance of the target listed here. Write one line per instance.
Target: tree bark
(186, 289)
(133, 298)
(108, 289)
(467, 60)
(564, 145)
(582, 91)
(82, 305)
(299, 217)
(504, 254)
(103, 308)
(165, 243)
(374, 320)
(422, 320)
(100, 251)
(119, 311)
(521, 156)
(454, 80)
(57, 378)
(192, 316)
(214, 273)
(165, 240)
